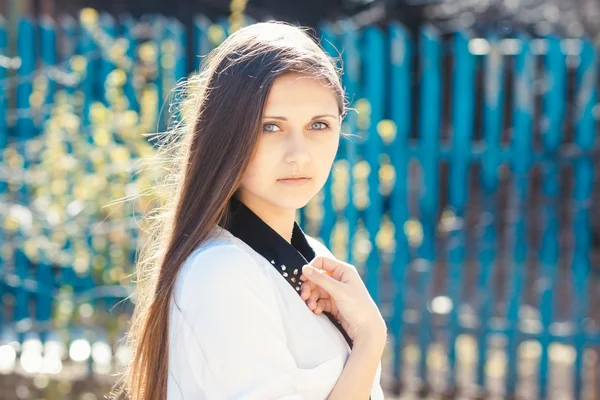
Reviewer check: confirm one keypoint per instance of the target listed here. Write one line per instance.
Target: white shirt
(238, 330)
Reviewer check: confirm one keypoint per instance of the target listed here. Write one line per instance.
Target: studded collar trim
(286, 258)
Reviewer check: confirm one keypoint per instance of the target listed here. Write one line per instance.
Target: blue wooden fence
(434, 201)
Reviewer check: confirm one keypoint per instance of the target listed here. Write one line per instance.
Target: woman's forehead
(300, 95)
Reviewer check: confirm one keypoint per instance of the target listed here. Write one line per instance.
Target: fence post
(43, 272)
(401, 113)
(48, 58)
(5, 87)
(129, 33)
(585, 133)
(554, 108)
(374, 86)
(351, 80)
(521, 152)
(202, 45)
(463, 107)
(26, 51)
(329, 41)
(493, 101)
(429, 129)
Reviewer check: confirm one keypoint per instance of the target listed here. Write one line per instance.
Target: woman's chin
(291, 202)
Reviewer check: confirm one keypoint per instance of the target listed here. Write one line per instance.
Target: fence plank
(3, 143)
(400, 83)
(25, 130)
(374, 87)
(429, 129)
(329, 41)
(181, 40)
(487, 247)
(157, 22)
(89, 53)
(71, 33)
(129, 33)
(554, 106)
(43, 273)
(517, 236)
(351, 80)
(26, 51)
(202, 45)
(48, 55)
(108, 30)
(463, 103)
(585, 133)
(4, 86)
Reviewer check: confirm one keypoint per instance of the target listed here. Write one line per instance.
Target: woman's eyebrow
(315, 117)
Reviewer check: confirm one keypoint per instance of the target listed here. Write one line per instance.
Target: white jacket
(239, 331)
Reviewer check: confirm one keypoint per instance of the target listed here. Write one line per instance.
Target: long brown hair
(206, 154)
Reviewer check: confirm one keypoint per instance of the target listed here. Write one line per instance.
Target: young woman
(229, 308)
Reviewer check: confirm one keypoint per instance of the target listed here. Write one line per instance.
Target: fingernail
(307, 271)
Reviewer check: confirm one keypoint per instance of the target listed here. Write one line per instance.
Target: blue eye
(271, 127)
(269, 130)
(325, 126)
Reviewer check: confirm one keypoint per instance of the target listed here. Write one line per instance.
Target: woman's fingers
(323, 305)
(312, 296)
(306, 289)
(344, 295)
(315, 295)
(329, 264)
(305, 292)
(322, 280)
(339, 270)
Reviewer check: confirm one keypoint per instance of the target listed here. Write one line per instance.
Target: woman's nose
(297, 149)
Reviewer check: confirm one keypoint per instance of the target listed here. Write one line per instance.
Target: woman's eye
(319, 126)
(322, 124)
(270, 128)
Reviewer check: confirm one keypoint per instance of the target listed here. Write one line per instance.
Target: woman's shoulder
(216, 263)
(221, 246)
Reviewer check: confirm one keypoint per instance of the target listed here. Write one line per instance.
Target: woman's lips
(294, 181)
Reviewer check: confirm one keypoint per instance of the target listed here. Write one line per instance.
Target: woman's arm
(342, 293)
(356, 380)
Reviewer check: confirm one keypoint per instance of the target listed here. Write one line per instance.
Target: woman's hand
(336, 287)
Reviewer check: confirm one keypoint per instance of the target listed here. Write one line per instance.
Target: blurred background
(468, 198)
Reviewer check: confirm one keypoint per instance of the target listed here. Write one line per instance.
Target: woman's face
(300, 134)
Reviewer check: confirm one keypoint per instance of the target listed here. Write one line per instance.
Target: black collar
(287, 258)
